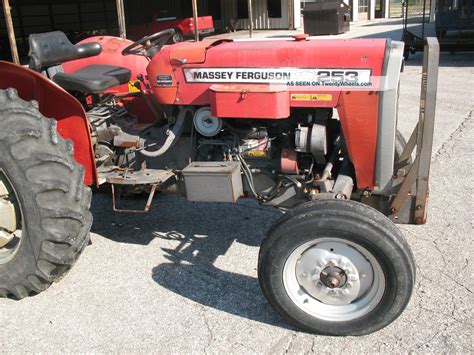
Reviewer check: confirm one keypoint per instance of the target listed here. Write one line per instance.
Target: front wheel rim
(333, 279)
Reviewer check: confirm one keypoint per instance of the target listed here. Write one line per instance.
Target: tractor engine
(280, 160)
(270, 105)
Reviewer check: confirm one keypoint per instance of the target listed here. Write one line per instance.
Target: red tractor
(309, 127)
(183, 27)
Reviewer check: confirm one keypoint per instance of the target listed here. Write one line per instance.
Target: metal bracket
(147, 206)
(414, 184)
(410, 146)
(149, 177)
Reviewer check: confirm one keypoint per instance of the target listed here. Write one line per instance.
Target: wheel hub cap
(332, 272)
(333, 279)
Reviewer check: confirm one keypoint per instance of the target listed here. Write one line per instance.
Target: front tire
(337, 268)
(43, 189)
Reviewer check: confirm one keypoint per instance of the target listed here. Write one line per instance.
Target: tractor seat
(49, 50)
(93, 78)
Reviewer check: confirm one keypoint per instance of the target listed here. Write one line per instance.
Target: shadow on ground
(191, 274)
(197, 235)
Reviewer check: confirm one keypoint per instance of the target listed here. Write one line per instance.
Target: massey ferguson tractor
(306, 126)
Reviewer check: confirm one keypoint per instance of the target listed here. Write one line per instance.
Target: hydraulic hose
(173, 135)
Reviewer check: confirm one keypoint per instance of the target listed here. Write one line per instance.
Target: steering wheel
(149, 45)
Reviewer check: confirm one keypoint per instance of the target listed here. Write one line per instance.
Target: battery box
(209, 181)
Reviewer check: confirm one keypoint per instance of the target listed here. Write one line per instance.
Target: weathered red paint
(257, 101)
(358, 109)
(358, 114)
(55, 103)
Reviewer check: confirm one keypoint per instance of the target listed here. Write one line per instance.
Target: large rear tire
(337, 268)
(44, 187)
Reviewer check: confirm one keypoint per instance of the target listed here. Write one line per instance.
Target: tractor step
(151, 177)
(141, 177)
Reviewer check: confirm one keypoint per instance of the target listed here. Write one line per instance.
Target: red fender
(56, 103)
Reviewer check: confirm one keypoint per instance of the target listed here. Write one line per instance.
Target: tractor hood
(192, 52)
(183, 73)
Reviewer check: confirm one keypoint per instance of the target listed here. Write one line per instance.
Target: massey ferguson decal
(284, 76)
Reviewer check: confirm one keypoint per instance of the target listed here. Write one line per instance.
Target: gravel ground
(182, 279)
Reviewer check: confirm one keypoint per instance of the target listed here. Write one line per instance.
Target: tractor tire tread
(58, 198)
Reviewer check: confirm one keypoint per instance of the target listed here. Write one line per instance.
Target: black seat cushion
(93, 78)
(53, 48)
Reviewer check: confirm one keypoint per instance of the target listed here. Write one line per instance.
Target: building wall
(81, 18)
(365, 9)
(261, 20)
(78, 19)
(297, 14)
(137, 9)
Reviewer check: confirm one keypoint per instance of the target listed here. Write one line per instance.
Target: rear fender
(54, 102)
